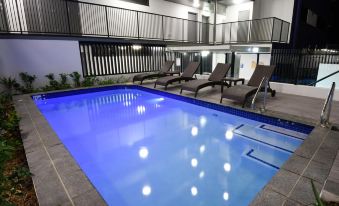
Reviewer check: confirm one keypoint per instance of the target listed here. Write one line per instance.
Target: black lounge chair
(186, 76)
(241, 93)
(215, 79)
(163, 72)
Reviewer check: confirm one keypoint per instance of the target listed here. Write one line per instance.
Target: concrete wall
(38, 57)
(307, 91)
(233, 11)
(282, 9)
(248, 63)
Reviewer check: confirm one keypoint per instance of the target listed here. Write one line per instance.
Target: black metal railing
(257, 30)
(100, 59)
(300, 66)
(75, 18)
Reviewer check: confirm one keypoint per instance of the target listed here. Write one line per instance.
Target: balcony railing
(74, 18)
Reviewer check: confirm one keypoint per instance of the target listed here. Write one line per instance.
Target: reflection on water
(194, 131)
(146, 190)
(143, 152)
(194, 191)
(229, 134)
(227, 167)
(194, 162)
(226, 196)
(202, 149)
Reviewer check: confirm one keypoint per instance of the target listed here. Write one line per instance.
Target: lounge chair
(163, 72)
(241, 93)
(215, 79)
(186, 76)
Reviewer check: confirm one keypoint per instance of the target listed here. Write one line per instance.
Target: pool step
(291, 133)
(264, 158)
(267, 137)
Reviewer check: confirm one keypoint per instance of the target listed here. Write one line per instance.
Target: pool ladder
(263, 83)
(325, 112)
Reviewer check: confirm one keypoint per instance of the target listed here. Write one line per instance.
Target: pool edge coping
(31, 110)
(56, 174)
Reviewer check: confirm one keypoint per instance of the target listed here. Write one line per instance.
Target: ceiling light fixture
(196, 3)
(237, 1)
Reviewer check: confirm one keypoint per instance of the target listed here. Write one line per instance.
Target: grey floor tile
(332, 187)
(307, 148)
(292, 203)
(76, 183)
(89, 198)
(268, 197)
(62, 160)
(283, 182)
(50, 139)
(317, 171)
(31, 141)
(296, 164)
(325, 155)
(49, 189)
(303, 191)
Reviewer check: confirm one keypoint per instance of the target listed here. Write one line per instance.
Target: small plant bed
(56, 82)
(16, 186)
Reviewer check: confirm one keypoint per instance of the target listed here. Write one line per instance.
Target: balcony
(79, 19)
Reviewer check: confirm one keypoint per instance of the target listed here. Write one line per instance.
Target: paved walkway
(306, 108)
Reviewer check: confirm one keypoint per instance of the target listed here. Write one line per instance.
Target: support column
(215, 21)
(232, 63)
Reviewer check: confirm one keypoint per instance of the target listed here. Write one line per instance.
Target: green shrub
(76, 78)
(10, 84)
(53, 84)
(319, 202)
(107, 81)
(17, 178)
(63, 81)
(89, 81)
(28, 82)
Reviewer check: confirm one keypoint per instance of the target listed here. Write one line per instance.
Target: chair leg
(166, 87)
(243, 104)
(221, 100)
(181, 91)
(195, 94)
(141, 82)
(155, 85)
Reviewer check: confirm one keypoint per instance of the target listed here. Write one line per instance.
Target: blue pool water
(141, 148)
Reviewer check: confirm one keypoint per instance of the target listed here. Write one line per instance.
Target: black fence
(300, 66)
(74, 18)
(257, 30)
(99, 59)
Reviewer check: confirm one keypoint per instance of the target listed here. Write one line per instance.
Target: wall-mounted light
(196, 3)
(205, 53)
(178, 62)
(255, 49)
(136, 47)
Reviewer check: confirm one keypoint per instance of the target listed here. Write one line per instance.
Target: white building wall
(282, 9)
(38, 57)
(233, 11)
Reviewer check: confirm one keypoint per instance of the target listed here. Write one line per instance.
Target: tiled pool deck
(58, 180)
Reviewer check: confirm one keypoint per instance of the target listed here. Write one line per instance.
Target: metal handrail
(326, 111)
(78, 22)
(313, 83)
(264, 80)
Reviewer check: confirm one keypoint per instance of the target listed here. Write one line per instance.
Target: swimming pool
(139, 146)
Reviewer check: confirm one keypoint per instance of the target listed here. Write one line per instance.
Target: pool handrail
(326, 111)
